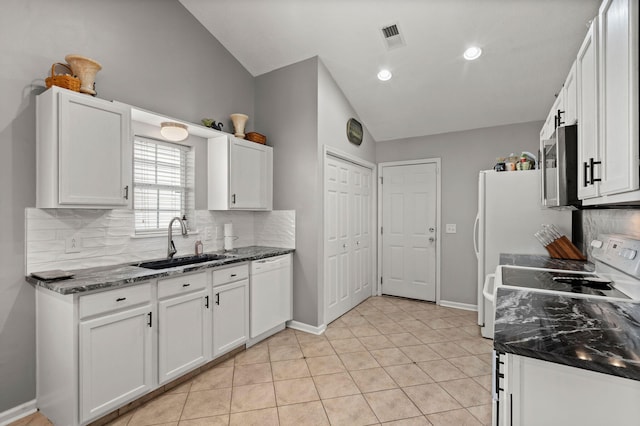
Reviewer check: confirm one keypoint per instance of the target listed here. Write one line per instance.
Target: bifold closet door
(347, 231)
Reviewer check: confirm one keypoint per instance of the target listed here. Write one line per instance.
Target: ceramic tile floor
(387, 361)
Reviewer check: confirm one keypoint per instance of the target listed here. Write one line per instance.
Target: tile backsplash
(106, 237)
(593, 222)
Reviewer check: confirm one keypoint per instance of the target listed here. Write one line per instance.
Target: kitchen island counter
(105, 277)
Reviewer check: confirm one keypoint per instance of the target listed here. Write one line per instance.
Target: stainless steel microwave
(559, 164)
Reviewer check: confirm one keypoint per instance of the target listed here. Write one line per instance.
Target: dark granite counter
(100, 278)
(537, 261)
(590, 333)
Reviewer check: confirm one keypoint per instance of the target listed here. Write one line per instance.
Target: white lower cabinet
(541, 393)
(116, 363)
(230, 316)
(184, 318)
(230, 304)
(99, 351)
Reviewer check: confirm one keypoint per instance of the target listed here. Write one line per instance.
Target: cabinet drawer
(234, 273)
(112, 300)
(181, 284)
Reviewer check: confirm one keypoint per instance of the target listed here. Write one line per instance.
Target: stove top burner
(585, 284)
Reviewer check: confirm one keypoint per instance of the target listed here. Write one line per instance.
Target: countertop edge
(128, 274)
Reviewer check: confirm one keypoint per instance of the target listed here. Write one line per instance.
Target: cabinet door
(250, 175)
(618, 41)
(230, 316)
(545, 393)
(94, 158)
(569, 97)
(115, 360)
(183, 338)
(587, 77)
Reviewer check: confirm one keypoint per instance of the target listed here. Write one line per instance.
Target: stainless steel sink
(180, 261)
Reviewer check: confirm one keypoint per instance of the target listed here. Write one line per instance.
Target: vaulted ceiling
(528, 47)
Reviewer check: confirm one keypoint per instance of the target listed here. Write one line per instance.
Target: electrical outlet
(73, 245)
(450, 228)
(207, 233)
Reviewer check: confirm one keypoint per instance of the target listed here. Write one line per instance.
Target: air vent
(390, 31)
(392, 37)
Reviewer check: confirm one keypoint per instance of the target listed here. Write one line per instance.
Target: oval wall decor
(354, 131)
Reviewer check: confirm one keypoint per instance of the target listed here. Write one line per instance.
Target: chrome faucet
(171, 248)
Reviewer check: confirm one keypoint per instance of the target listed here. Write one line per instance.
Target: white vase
(85, 69)
(239, 120)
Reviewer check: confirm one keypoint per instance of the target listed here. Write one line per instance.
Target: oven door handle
(489, 295)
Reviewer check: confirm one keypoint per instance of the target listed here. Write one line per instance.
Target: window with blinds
(162, 184)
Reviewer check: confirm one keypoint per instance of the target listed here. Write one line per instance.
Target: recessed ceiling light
(384, 75)
(472, 53)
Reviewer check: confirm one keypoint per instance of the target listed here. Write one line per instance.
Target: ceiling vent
(392, 37)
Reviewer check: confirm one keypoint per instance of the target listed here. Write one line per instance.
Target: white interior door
(409, 219)
(348, 229)
(360, 218)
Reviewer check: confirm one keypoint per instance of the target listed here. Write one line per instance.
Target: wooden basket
(256, 137)
(66, 81)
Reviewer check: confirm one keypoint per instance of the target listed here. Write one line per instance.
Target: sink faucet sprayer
(171, 248)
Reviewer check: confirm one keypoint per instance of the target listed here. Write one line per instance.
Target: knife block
(562, 248)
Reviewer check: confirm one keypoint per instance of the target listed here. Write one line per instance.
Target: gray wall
(155, 55)
(301, 109)
(463, 155)
(334, 110)
(287, 112)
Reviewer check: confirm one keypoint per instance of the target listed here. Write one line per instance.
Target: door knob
(431, 239)
(344, 246)
(432, 229)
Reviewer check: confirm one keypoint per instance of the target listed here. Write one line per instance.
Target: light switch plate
(450, 228)
(73, 245)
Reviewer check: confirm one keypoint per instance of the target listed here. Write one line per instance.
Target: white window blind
(162, 184)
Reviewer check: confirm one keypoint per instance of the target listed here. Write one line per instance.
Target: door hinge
(381, 230)
(381, 180)
(380, 280)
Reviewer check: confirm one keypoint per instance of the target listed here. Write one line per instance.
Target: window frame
(186, 186)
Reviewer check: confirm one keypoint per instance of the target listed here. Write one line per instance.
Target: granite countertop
(590, 333)
(99, 278)
(538, 261)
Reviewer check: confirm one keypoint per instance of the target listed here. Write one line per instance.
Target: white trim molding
(18, 412)
(296, 325)
(458, 305)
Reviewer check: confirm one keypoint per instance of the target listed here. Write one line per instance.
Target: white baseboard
(306, 327)
(457, 305)
(16, 413)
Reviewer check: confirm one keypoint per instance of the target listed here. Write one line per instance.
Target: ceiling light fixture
(173, 131)
(384, 75)
(472, 53)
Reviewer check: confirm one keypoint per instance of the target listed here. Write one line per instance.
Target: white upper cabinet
(83, 151)
(569, 112)
(587, 76)
(618, 112)
(240, 175)
(608, 144)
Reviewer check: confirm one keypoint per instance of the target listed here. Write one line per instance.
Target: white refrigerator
(509, 214)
